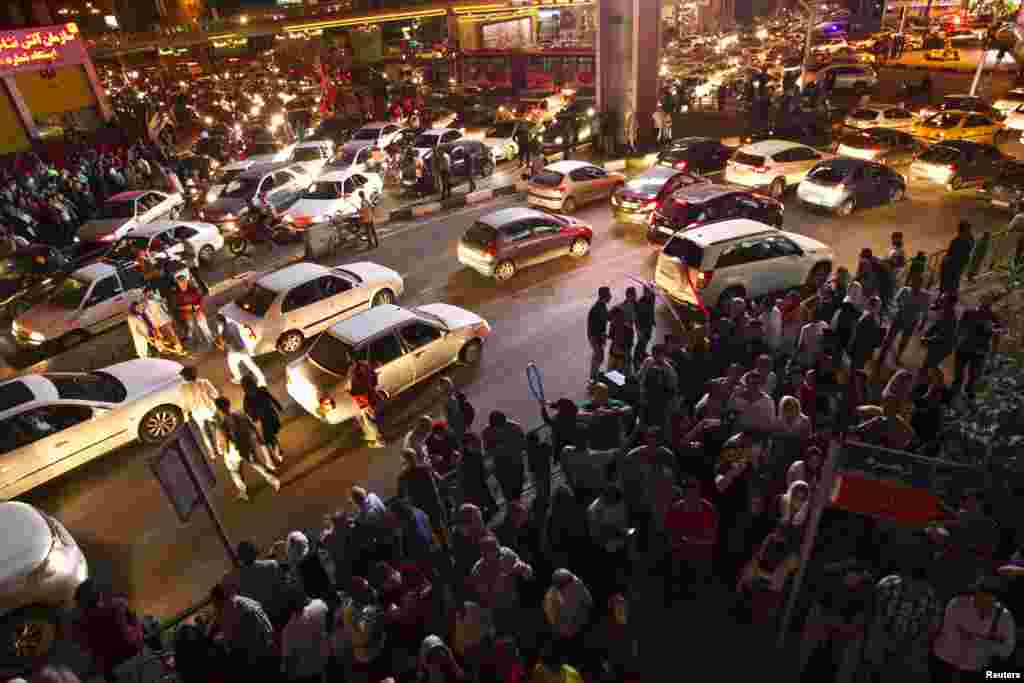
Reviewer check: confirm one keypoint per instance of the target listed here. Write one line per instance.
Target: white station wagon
(406, 346)
(285, 308)
(772, 164)
(52, 423)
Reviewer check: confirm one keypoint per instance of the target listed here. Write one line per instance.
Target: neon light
(40, 48)
(368, 20)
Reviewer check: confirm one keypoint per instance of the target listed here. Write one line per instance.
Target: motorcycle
(259, 229)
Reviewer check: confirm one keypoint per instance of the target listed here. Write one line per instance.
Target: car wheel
(955, 183)
(730, 294)
(383, 297)
(73, 339)
(580, 247)
(29, 636)
(897, 194)
(777, 188)
(819, 273)
(290, 342)
(471, 353)
(569, 205)
(504, 271)
(206, 254)
(846, 208)
(159, 423)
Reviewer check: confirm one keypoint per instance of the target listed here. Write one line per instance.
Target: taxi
(958, 125)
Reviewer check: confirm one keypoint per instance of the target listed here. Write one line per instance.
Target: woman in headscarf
(472, 474)
(563, 424)
(305, 566)
(763, 582)
(847, 315)
(436, 663)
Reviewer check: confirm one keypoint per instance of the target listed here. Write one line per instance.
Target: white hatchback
(126, 210)
(881, 116)
(288, 306)
(335, 193)
(773, 165)
(379, 133)
(52, 423)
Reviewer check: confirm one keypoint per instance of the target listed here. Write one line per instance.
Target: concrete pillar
(20, 106)
(628, 61)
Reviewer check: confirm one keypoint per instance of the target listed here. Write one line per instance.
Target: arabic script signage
(45, 47)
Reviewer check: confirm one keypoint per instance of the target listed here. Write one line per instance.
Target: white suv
(772, 164)
(739, 257)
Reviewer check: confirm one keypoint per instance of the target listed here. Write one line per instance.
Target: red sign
(45, 47)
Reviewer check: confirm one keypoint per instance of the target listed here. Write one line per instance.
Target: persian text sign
(41, 48)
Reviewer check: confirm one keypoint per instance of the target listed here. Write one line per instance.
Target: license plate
(999, 202)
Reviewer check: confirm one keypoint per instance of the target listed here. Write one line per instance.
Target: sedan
(378, 133)
(886, 146)
(501, 243)
(406, 346)
(353, 156)
(1005, 190)
(333, 194)
(124, 211)
(288, 306)
(564, 185)
(634, 201)
(958, 125)
(55, 422)
(502, 139)
(841, 185)
(957, 164)
(880, 116)
(172, 240)
(696, 155)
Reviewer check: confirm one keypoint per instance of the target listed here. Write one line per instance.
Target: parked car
(124, 211)
(961, 102)
(634, 201)
(313, 155)
(464, 156)
(1005, 188)
(430, 138)
(285, 308)
(278, 184)
(957, 164)
(501, 138)
(565, 185)
(27, 275)
(694, 206)
(224, 177)
(884, 145)
(503, 242)
(378, 133)
(848, 77)
(42, 569)
(55, 422)
(842, 185)
(168, 239)
(772, 164)
(696, 155)
(333, 194)
(880, 116)
(353, 157)
(90, 300)
(1011, 101)
(406, 346)
(738, 258)
(570, 129)
(957, 125)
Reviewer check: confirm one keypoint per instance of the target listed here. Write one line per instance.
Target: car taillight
(492, 250)
(681, 165)
(951, 167)
(760, 169)
(563, 188)
(704, 278)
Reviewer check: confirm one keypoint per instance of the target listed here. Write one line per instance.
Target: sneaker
(242, 496)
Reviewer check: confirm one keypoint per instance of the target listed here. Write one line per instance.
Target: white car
(168, 239)
(333, 193)
(849, 77)
(126, 210)
(1011, 101)
(565, 185)
(285, 308)
(710, 265)
(224, 177)
(274, 154)
(353, 156)
(880, 116)
(40, 570)
(1015, 119)
(313, 155)
(772, 164)
(407, 346)
(90, 300)
(55, 422)
(379, 133)
(502, 139)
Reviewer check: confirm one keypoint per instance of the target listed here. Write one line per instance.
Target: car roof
(681, 143)
(727, 230)
(240, 165)
(768, 148)
(95, 271)
(496, 219)
(376, 125)
(260, 170)
(369, 324)
(357, 145)
(335, 176)
(567, 166)
(284, 279)
(847, 162)
(702, 192)
(42, 390)
(659, 172)
(128, 196)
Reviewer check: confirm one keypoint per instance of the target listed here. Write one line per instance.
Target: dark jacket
(867, 336)
(597, 321)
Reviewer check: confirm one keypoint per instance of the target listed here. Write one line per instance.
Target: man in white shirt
(755, 409)
(975, 629)
(198, 398)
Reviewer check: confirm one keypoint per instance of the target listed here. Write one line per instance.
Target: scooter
(258, 229)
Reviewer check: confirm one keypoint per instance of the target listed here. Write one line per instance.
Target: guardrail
(1002, 247)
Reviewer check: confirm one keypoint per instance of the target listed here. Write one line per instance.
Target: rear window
(828, 174)
(257, 301)
(680, 212)
(748, 159)
(940, 155)
(14, 394)
(547, 178)
(480, 235)
(687, 251)
(93, 386)
(864, 115)
(331, 354)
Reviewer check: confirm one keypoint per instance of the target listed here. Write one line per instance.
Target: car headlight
(287, 218)
(559, 140)
(229, 216)
(211, 197)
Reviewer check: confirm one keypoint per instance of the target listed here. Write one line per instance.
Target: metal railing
(1002, 247)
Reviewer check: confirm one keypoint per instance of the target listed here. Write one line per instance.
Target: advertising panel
(46, 47)
(507, 35)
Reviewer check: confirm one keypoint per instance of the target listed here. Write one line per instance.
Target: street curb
(928, 67)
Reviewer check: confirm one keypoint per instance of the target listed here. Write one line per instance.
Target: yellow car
(958, 125)
(946, 53)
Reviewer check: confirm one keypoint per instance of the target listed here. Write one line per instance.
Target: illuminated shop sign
(41, 48)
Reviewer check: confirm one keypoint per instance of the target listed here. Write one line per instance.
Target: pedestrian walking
(897, 258)
(238, 442)
(265, 412)
(199, 403)
(975, 333)
(597, 331)
(368, 219)
(141, 329)
(911, 312)
(644, 325)
(162, 322)
(505, 443)
(659, 124)
(867, 335)
(958, 255)
(238, 345)
(444, 167)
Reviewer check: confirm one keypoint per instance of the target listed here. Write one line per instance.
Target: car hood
(453, 317)
(94, 230)
(225, 205)
(48, 319)
(315, 208)
(371, 272)
(807, 244)
(145, 375)
(27, 541)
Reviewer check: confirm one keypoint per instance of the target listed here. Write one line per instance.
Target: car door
(342, 298)
(516, 244)
(104, 306)
(784, 263)
(395, 369)
(549, 239)
(59, 436)
(803, 160)
(860, 186)
(427, 347)
(304, 309)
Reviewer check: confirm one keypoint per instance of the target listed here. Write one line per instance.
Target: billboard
(46, 47)
(507, 35)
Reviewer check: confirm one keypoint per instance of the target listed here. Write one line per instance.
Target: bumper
(544, 202)
(634, 216)
(825, 202)
(482, 266)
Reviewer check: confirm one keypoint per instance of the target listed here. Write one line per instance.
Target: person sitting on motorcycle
(263, 211)
(187, 301)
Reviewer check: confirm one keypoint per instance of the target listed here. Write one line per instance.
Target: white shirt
(971, 651)
(304, 640)
(197, 399)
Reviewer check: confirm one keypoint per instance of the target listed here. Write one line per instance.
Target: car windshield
(959, 103)
(257, 301)
(861, 140)
(243, 188)
(425, 140)
(307, 154)
(70, 293)
(547, 178)
(650, 185)
(687, 251)
(748, 159)
(479, 117)
(117, 210)
(323, 190)
(225, 177)
(332, 354)
(943, 120)
(366, 134)
(91, 386)
(503, 130)
(864, 115)
(828, 174)
(260, 148)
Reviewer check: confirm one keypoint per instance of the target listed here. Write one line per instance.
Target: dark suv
(697, 205)
(1006, 189)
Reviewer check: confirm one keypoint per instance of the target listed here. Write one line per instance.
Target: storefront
(49, 85)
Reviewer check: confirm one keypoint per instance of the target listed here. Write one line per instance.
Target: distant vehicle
(958, 125)
(842, 185)
(695, 206)
(961, 102)
(884, 145)
(335, 193)
(43, 567)
(224, 176)
(696, 155)
(268, 152)
(55, 422)
(168, 239)
(285, 308)
(501, 138)
(338, 129)
(881, 116)
(503, 242)
(774, 165)
(565, 185)
(124, 211)
(278, 184)
(1005, 188)
(957, 164)
(464, 155)
(848, 77)
(640, 196)
(570, 129)
(312, 155)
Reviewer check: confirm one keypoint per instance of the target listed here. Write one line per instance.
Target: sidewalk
(967, 63)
